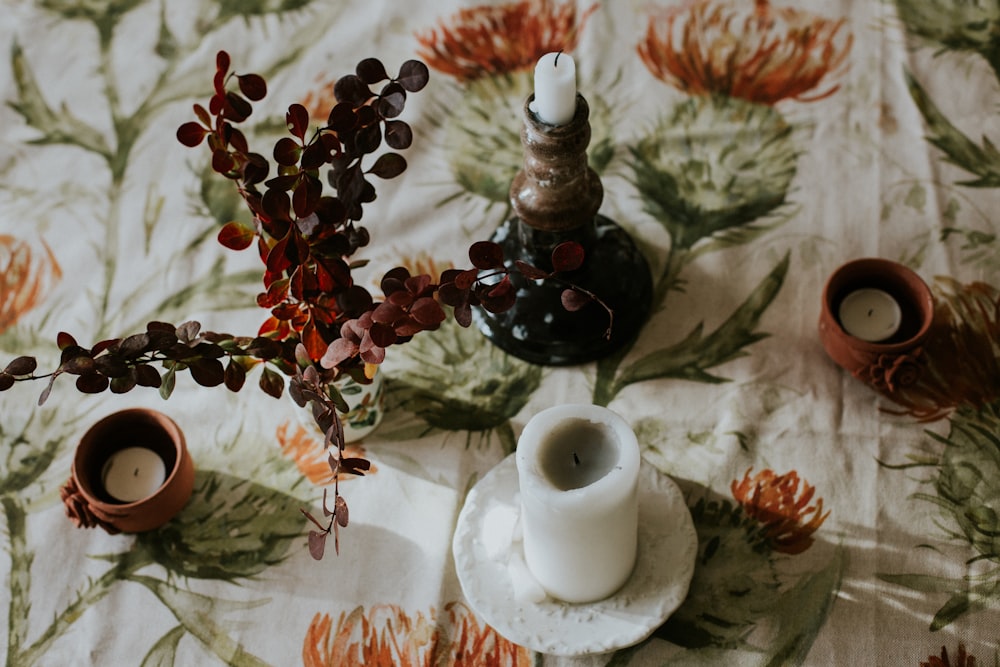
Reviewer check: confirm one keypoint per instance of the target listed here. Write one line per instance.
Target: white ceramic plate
(489, 559)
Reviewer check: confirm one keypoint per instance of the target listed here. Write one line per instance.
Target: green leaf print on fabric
(966, 491)
(697, 181)
(453, 379)
(203, 617)
(231, 528)
(749, 603)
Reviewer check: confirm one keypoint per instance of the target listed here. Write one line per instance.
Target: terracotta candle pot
(109, 448)
(892, 362)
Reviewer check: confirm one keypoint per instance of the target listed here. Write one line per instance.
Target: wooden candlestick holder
(556, 197)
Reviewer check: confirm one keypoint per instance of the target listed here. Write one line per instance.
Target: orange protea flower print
(748, 50)
(320, 101)
(961, 360)
(782, 508)
(25, 278)
(386, 636)
(500, 39)
(962, 659)
(306, 449)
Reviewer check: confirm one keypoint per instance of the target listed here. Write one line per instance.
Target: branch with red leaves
(321, 324)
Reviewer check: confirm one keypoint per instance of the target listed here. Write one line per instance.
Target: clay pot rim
(919, 288)
(176, 436)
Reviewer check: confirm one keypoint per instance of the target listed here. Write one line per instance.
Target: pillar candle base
(489, 559)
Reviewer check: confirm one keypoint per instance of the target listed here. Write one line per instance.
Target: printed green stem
(20, 576)
(606, 385)
(126, 564)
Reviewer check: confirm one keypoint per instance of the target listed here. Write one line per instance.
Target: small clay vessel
(886, 365)
(87, 502)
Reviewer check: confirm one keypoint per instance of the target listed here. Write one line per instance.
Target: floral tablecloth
(750, 148)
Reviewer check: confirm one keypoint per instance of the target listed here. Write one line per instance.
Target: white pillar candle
(555, 89)
(133, 473)
(870, 314)
(578, 471)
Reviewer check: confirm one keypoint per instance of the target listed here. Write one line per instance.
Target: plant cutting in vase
(322, 325)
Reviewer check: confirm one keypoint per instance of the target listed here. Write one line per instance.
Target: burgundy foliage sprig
(306, 228)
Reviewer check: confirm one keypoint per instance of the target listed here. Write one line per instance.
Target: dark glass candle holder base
(538, 328)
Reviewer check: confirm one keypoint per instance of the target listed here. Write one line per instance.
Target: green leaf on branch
(691, 358)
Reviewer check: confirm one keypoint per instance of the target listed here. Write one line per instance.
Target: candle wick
(136, 473)
(555, 63)
(576, 459)
(870, 311)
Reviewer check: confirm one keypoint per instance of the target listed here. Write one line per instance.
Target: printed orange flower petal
(305, 448)
(758, 53)
(25, 278)
(500, 39)
(386, 636)
(783, 510)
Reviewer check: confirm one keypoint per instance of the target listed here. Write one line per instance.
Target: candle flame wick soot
(870, 311)
(555, 61)
(135, 473)
(576, 459)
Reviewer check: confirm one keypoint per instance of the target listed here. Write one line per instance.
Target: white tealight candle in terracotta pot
(578, 472)
(133, 473)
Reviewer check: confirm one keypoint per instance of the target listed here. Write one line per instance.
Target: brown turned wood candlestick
(556, 197)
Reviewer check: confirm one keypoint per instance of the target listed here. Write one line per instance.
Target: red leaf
(219, 83)
(371, 70)
(92, 383)
(317, 544)
(500, 297)
(147, 376)
(207, 372)
(486, 255)
(297, 120)
(466, 279)
(236, 108)
(104, 345)
(236, 236)
(306, 196)
(340, 510)
(64, 340)
(427, 312)
(203, 115)
(567, 256)
(388, 165)
(398, 134)
(222, 161)
(351, 89)
(277, 291)
(253, 86)
(572, 300)
(272, 383)
(413, 75)
(315, 155)
(277, 205)
(222, 61)
(277, 259)
(381, 335)
(191, 134)
(530, 272)
(235, 376)
(287, 151)
(21, 366)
